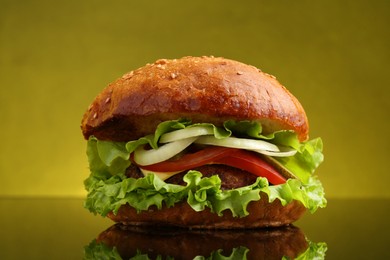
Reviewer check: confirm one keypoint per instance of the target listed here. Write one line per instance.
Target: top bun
(202, 89)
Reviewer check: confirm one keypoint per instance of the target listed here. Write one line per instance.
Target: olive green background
(55, 57)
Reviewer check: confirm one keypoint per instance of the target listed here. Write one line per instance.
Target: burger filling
(217, 167)
(231, 178)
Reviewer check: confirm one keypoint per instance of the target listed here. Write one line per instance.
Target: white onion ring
(286, 153)
(240, 143)
(185, 133)
(147, 157)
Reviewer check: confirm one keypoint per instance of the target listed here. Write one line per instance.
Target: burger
(200, 142)
(136, 242)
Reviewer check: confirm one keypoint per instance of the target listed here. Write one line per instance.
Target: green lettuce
(306, 160)
(108, 195)
(108, 187)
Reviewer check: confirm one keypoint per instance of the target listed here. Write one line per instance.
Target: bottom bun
(261, 214)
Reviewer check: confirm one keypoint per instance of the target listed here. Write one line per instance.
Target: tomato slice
(237, 158)
(191, 160)
(250, 162)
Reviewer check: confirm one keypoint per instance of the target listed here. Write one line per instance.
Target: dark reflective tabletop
(63, 229)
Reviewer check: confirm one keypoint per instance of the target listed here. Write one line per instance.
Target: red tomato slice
(250, 162)
(191, 160)
(237, 158)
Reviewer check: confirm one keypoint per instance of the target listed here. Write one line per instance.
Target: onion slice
(283, 153)
(185, 133)
(147, 157)
(240, 143)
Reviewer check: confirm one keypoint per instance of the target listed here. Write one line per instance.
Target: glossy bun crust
(261, 214)
(203, 89)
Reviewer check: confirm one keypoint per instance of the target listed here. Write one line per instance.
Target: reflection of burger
(130, 242)
(203, 143)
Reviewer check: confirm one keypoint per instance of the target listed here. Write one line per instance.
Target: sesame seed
(128, 75)
(107, 100)
(95, 115)
(239, 73)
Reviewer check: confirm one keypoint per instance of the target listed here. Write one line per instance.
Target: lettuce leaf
(306, 160)
(108, 187)
(108, 195)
